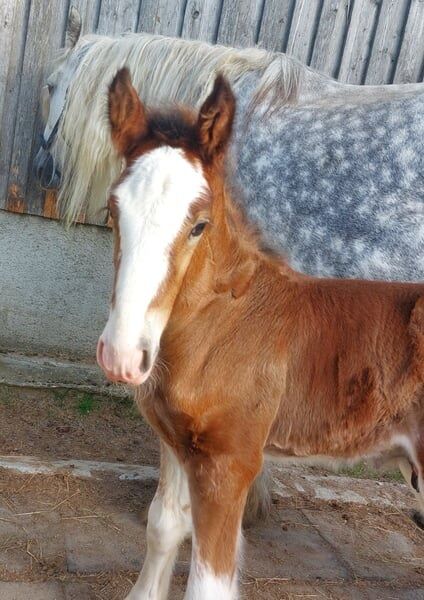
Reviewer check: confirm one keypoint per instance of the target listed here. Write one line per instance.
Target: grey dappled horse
(333, 174)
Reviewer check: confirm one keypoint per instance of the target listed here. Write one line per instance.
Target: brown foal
(235, 354)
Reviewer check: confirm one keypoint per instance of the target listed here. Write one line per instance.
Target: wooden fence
(357, 41)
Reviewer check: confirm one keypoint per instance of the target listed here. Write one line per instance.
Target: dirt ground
(88, 536)
(67, 424)
(68, 538)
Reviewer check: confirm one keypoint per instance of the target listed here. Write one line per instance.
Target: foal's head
(161, 209)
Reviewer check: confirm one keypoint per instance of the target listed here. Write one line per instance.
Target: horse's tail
(258, 503)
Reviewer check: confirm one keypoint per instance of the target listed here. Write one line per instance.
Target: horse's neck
(316, 89)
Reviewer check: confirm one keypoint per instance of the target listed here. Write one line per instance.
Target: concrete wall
(55, 286)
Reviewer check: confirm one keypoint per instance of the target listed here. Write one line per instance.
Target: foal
(238, 354)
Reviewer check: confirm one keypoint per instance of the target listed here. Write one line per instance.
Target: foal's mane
(164, 71)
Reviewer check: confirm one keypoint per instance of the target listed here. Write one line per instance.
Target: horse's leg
(258, 503)
(169, 522)
(412, 470)
(218, 492)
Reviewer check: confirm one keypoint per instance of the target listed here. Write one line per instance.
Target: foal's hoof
(418, 519)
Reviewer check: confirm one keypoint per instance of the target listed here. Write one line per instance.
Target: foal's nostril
(145, 361)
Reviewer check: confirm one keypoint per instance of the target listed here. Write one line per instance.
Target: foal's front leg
(218, 491)
(169, 522)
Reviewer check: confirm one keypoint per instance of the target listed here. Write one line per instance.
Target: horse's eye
(198, 229)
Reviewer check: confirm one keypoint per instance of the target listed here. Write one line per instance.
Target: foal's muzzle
(132, 365)
(46, 170)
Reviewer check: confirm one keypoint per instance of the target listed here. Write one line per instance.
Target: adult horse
(333, 172)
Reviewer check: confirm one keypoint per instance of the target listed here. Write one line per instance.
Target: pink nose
(123, 366)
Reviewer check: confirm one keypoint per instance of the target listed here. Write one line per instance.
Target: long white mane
(164, 70)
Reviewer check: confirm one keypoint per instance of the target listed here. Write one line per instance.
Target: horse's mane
(164, 71)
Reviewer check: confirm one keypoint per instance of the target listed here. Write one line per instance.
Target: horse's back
(340, 188)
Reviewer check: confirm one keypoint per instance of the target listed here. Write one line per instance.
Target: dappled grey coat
(340, 189)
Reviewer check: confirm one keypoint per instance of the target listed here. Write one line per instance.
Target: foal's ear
(216, 118)
(127, 115)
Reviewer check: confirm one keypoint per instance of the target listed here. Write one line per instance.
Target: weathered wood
(303, 29)
(239, 22)
(89, 10)
(118, 16)
(201, 20)
(411, 55)
(358, 41)
(386, 42)
(162, 17)
(50, 210)
(330, 36)
(13, 26)
(275, 26)
(46, 26)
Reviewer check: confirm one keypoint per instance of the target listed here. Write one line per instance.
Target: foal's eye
(198, 229)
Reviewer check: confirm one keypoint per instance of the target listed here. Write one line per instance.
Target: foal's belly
(330, 436)
(379, 455)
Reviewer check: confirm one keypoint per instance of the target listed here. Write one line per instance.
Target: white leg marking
(204, 584)
(168, 524)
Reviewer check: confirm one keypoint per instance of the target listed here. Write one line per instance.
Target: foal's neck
(231, 252)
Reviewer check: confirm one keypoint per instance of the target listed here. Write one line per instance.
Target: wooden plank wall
(356, 41)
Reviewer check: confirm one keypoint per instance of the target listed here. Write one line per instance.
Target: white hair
(164, 70)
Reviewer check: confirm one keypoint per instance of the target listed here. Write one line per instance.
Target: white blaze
(153, 202)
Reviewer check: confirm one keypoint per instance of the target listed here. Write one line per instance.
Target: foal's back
(353, 363)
